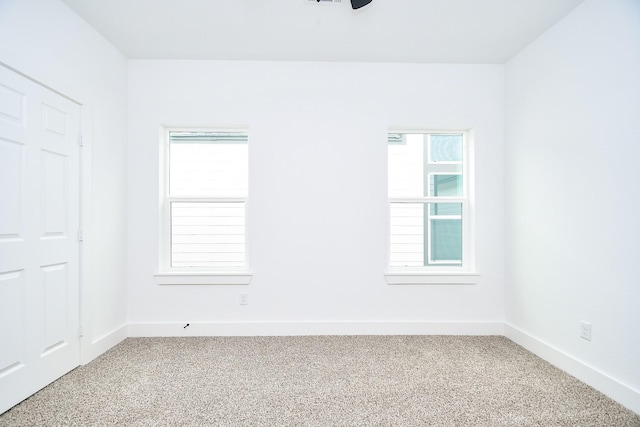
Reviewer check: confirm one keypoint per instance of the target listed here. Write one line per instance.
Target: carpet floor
(319, 381)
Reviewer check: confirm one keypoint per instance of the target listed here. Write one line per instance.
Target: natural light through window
(208, 185)
(428, 201)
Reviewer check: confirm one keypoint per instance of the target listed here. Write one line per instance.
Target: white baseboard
(607, 385)
(94, 348)
(313, 328)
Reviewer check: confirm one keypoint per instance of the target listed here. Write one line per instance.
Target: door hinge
(80, 331)
(80, 141)
(80, 236)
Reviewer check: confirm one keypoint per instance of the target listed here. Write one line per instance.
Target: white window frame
(168, 275)
(441, 273)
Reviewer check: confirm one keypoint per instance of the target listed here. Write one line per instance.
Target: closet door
(39, 245)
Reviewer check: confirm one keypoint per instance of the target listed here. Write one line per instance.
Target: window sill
(204, 278)
(426, 278)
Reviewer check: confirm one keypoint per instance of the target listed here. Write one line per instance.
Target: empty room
(319, 212)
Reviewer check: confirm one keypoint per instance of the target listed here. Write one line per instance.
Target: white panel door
(39, 248)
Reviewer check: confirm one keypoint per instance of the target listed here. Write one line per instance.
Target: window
(429, 201)
(204, 205)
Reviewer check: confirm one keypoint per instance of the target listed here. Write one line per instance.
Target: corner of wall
(616, 390)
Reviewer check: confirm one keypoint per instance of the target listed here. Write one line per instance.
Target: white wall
(46, 41)
(318, 215)
(573, 195)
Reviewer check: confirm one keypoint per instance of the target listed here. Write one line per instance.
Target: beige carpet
(319, 381)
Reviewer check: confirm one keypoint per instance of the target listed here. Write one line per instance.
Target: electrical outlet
(585, 330)
(244, 298)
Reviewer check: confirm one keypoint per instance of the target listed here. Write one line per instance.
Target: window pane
(207, 234)
(407, 234)
(445, 185)
(425, 228)
(446, 148)
(441, 209)
(406, 166)
(208, 164)
(446, 241)
(444, 224)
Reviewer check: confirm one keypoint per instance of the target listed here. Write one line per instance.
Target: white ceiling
(433, 31)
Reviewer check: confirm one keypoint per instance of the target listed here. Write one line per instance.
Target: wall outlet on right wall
(585, 330)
